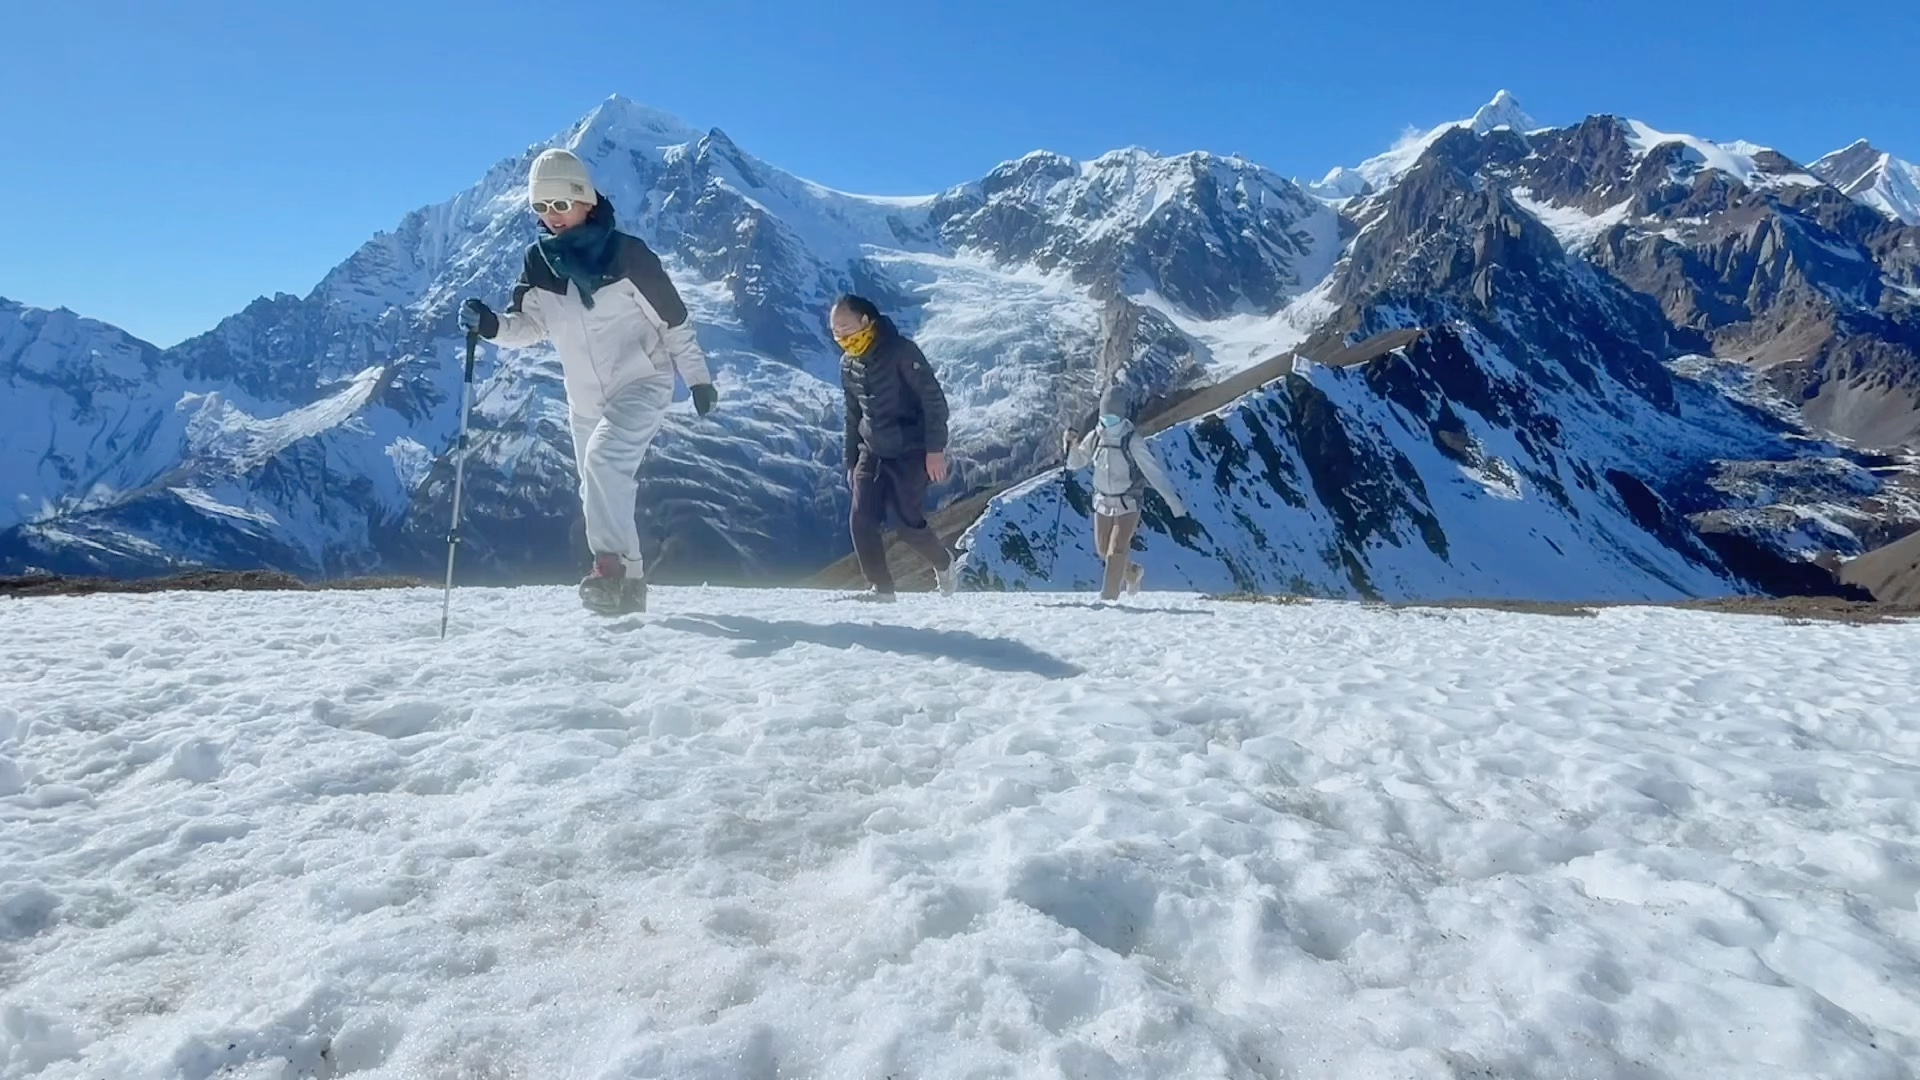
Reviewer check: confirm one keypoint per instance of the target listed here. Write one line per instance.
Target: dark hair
(859, 305)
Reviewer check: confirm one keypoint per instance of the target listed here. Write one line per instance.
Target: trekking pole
(1059, 512)
(459, 476)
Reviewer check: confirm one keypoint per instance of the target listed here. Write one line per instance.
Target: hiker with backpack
(1123, 468)
(603, 300)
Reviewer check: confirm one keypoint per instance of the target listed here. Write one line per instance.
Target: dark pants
(899, 485)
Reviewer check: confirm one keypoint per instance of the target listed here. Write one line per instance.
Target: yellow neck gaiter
(857, 343)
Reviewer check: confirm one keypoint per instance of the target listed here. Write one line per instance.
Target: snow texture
(1574, 228)
(295, 835)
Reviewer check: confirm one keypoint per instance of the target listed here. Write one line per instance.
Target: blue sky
(165, 166)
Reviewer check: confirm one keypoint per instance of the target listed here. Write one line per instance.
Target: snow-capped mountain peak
(1216, 235)
(1380, 172)
(1874, 178)
(1503, 111)
(1852, 166)
(1340, 183)
(621, 120)
(1749, 163)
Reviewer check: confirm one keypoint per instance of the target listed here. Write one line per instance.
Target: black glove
(705, 397)
(477, 317)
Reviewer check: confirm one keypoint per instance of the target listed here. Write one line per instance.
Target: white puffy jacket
(636, 327)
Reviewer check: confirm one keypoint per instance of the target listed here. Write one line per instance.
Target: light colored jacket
(1146, 470)
(637, 326)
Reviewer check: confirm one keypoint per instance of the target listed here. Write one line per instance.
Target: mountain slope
(1891, 573)
(1214, 236)
(1878, 179)
(146, 460)
(1749, 256)
(1536, 442)
(1757, 257)
(81, 413)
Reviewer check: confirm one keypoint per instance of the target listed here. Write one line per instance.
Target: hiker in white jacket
(604, 301)
(1123, 468)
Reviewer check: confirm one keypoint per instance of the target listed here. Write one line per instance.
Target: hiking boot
(633, 596)
(1135, 574)
(949, 579)
(609, 591)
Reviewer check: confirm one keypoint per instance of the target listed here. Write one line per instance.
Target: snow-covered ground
(763, 833)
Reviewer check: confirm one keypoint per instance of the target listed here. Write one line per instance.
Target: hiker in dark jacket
(896, 441)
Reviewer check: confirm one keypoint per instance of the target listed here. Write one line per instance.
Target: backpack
(1114, 473)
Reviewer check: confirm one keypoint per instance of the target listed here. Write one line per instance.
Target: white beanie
(558, 174)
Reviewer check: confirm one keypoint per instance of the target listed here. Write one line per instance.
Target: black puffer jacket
(895, 406)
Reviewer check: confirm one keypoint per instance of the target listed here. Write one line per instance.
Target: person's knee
(608, 460)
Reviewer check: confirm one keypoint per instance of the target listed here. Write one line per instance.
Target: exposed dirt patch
(1809, 608)
(192, 581)
(1519, 607)
(1795, 608)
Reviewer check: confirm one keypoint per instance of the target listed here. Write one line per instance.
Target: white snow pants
(607, 451)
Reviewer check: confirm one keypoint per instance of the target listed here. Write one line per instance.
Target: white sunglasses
(553, 206)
